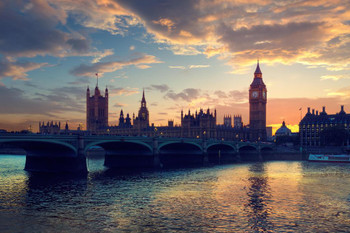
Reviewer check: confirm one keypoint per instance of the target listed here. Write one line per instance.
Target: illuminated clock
(255, 94)
(264, 94)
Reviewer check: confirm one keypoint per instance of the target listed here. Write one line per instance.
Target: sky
(184, 54)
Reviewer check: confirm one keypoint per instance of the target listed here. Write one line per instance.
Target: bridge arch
(247, 147)
(44, 144)
(266, 148)
(180, 154)
(105, 142)
(223, 144)
(164, 144)
(248, 152)
(49, 155)
(125, 154)
(221, 152)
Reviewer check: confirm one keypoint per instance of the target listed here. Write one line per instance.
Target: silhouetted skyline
(185, 54)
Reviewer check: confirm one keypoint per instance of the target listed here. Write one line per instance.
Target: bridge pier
(205, 153)
(49, 164)
(56, 161)
(260, 157)
(156, 159)
(238, 156)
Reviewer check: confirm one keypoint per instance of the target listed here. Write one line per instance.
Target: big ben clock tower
(257, 107)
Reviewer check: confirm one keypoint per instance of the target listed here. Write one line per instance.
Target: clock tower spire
(257, 107)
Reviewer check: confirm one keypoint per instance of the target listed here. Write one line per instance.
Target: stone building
(124, 122)
(283, 131)
(198, 125)
(237, 122)
(257, 107)
(49, 127)
(315, 122)
(141, 122)
(227, 121)
(96, 110)
(201, 124)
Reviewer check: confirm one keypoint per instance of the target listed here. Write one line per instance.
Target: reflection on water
(259, 195)
(252, 197)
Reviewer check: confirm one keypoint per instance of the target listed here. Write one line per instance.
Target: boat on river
(343, 158)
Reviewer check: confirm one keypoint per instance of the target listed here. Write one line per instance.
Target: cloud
(80, 81)
(119, 105)
(123, 91)
(105, 15)
(334, 77)
(198, 66)
(107, 67)
(17, 70)
(311, 33)
(99, 55)
(220, 94)
(188, 94)
(189, 67)
(177, 67)
(79, 45)
(239, 96)
(211, 51)
(29, 28)
(162, 88)
(14, 101)
(344, 93)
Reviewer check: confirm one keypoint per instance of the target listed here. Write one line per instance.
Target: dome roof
(283, 130)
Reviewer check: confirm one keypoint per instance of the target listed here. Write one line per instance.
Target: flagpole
(97, 79)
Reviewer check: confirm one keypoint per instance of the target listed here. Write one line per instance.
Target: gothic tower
(96, 110)
(142, 120)
(257, 107)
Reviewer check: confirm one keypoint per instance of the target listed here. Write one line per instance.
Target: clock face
(264, 94)
(255, 94)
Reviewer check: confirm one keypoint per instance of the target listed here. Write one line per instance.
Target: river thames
(248, 197)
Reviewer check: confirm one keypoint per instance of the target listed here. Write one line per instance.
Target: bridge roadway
(67, 153)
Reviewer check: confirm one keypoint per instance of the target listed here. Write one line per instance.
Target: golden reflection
(259, 197)
(12, 181)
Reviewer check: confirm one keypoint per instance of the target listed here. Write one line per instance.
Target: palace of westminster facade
(201, 124)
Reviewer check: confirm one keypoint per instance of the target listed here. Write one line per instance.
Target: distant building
(283, 131)
(201, 124)
(140, 124)
(142, 120)
(198, 125)
(227, 121)
(96, 110)
(314, 124)
(269, 133)
(124, 122)
(49, 127)
(257, 107)
(237, 122)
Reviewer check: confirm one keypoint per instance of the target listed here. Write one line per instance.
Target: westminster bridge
(67, 153)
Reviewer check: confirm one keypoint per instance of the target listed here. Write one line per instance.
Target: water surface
(250, 197)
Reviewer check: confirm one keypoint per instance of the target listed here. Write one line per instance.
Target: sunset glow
(184, 54)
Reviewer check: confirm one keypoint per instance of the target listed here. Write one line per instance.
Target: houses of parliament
(200, 124)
